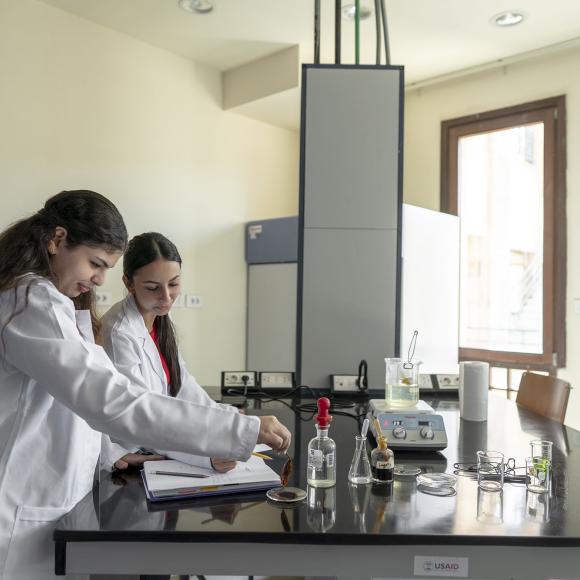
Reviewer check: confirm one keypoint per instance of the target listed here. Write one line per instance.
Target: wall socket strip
(103, 298)
(345, 384)
(239, 379)
(252, 382)
(447, 382)
(277, 381)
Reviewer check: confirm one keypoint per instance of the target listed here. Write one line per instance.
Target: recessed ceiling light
(349, 11)
(508, 18)
(196, 6)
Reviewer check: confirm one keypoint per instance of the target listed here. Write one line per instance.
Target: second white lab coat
(132, 350)
(58, 391)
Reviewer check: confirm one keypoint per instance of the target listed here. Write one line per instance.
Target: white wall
(82, 106)
(510, 85)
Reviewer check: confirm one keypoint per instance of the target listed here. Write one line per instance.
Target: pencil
(201, 476)
(262, 455)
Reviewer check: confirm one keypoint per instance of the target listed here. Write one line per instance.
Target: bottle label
(384, 465)
(330, 459)
(315, 458)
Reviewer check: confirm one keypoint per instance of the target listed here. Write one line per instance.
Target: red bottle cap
(323, 418)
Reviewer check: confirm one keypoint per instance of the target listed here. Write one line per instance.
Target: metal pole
(378, 30)
(337, 30)
(385, 31)
(316, 31)
(357, 32)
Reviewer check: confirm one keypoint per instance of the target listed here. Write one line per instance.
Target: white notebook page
(254, 470)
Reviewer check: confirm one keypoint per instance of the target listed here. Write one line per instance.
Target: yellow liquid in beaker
(402, 395)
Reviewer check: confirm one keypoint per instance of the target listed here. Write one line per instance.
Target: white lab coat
(132, 350)
(57, 391)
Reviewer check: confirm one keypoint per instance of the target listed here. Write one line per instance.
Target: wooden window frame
(552, 112)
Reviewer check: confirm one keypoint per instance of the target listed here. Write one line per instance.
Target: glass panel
(498, 378)
(500, 196)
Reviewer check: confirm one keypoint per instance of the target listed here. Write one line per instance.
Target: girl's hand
(274, 434)
(135, 460)
(222, 465)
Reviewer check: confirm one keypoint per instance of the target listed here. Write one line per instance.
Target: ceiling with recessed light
(429, 37)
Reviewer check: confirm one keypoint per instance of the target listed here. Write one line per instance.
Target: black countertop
(366, 515)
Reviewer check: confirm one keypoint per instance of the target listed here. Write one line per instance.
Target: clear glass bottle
(360, 469)
(321, 470)
(382, 462)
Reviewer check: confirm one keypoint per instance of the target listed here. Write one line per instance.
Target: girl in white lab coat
(139, 337)
(58, 389)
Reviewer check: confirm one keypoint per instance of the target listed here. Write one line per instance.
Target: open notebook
(252, 475)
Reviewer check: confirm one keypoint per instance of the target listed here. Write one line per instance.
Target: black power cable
(362, 379)
(337, 406)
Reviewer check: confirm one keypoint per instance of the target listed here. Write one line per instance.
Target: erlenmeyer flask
(360, 468)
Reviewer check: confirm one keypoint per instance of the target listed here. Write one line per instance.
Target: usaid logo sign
(443, 567)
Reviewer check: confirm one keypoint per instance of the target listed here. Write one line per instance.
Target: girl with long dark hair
(58, 389)
(139, 337)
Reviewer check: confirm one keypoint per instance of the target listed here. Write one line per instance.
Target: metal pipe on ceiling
(337, 30)
(378, 31)
(317, 31)
(385, 31)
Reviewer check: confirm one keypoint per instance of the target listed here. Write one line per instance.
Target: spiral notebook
(251, 475)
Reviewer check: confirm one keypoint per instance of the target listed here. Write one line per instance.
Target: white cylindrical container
(473, 389)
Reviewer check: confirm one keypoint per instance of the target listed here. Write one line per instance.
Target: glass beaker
(401, 383)
(541, 460)
(538, 507)
(537, 474)
(490, 470)
(489, 507)
(360, 468)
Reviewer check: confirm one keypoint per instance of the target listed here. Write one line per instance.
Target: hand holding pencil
(262, 456)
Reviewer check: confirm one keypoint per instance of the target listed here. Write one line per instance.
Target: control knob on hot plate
(399, 432)
(426, 433)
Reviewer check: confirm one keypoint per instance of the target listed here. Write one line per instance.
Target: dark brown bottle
(382, 462)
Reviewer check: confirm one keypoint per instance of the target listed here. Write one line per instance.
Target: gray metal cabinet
(271, 327)
(349, 261)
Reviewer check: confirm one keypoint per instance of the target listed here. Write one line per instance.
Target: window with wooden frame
(503, 174)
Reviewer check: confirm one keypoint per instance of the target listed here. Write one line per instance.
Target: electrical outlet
(178, 302)
(277, 380)
(239, 379)
(448, 382)
(193, 301)
(345, 384)
(425, 382)
(103, 298)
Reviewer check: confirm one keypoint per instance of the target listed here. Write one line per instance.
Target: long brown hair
(143, 250)
(88, 217)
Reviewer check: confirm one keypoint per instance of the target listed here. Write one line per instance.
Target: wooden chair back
(545, 395)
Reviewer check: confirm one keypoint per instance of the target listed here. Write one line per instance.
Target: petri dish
(437, 480)
(406, 471)
(286, 495)
(439, 491)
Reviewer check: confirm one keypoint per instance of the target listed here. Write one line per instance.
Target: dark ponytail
(89, 219)
(143, 250)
